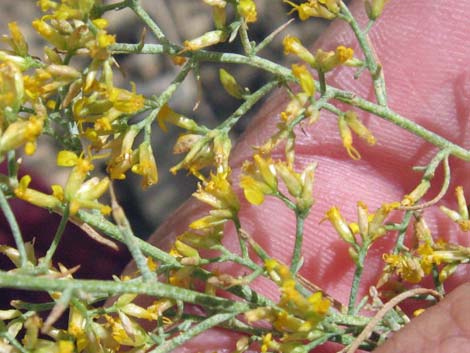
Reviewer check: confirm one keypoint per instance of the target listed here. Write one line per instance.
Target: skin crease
(422, 48)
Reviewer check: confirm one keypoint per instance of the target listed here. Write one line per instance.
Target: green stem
(322, 81)
(248, 49)
(15, 229)
(208, 56)
(12, 340)
(130, 240)
(371, 63)
(98, 222)
(144, 16)
(399, 243)
(281, 71)
(271, 36)
(357, 278)
(102, 287)
(299, 236)
(437, 282)
(57, 237)
(227, 255)
(101, 9)
(185, 336)
(389, 115)
(241, 240)
(320, 340)
(249, 102)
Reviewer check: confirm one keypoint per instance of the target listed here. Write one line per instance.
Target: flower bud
(305, 79)
(292, 45)
(230, 84)
(206, 40)
(340, 225)
(247, 9)
(374, 8)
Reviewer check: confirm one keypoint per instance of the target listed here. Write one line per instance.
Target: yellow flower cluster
(369, 227)
(327, 9)
(426, 256)
(296, 315)
(300, 105)
(260, 178)
(32, 92)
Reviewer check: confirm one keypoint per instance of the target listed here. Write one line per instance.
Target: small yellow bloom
(344, 54)
(11, 90)
(21, 132)
(258, 179)
(166, 114)
(328, 60)
(347, 138)
(327, 9)
(417, 193)
(147, 167)
(37, 198)
(17, 41)
(247, 9)
(358, 127)
(50, 34)
(406, 266)
(293, 45)
(340, 225)
(206, 40)
(305, 79)
(122, 156)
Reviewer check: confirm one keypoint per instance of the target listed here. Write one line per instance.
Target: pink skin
(423, 50)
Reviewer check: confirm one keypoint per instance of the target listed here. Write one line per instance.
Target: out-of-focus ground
(180, 20)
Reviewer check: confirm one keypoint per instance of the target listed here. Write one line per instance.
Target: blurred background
(180, 20)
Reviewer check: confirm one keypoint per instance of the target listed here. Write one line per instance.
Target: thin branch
(385, 309)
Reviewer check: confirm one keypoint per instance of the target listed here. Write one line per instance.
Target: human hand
(421, 46)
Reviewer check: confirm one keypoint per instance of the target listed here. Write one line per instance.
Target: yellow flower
(47, 5)
(204, 238)
(122, 157)
(267, 341)
(299, 185)
(305, 79)
(461, 216)
(206, 40)
(146, 165)
(17, 42)
(406, 266)
(358, 127)
(340, 225)
(247, 9)
(126, 331)
(50, 34)
(22, 132)
(328, 9)
(347, 138)
(218, 193)
(78, 191)
(125, 101)
(37, 198)
(258, 179)
(11, 90)
(293, 45)
(166, 114)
